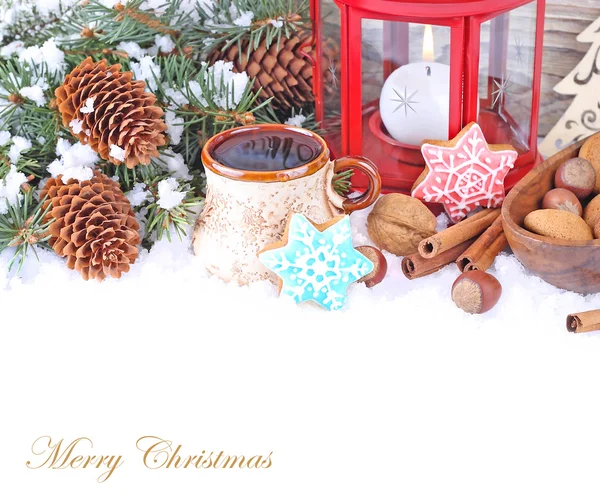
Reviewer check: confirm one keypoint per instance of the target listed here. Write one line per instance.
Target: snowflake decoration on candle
(317, 262)
(332, 71)
(519, 48)
(405, 101)
(465, 173)
(502, 90)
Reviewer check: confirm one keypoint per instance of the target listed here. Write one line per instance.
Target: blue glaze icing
(317, 266)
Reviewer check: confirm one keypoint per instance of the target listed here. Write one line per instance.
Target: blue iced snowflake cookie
(317, 262)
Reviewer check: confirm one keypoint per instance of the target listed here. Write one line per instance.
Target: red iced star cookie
(464, 173)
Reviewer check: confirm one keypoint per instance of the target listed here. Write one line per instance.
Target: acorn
(379, 265)
(476, 291)
(562, 199)
(577, 175)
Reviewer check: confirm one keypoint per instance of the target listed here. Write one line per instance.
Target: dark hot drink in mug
(267, 151)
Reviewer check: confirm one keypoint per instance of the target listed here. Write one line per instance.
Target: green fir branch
(272, 20)
(14, 76)
(27, 162)
(101, 27)
(179, 218)
(342, 182)
(23, 228)
(29, 26)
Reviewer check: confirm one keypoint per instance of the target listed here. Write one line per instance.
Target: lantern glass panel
(506, 74)
(405, 76)
(331, 71)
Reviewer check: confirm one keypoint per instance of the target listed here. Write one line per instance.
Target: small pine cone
(123, 113)
(283, 72)
(94, 227)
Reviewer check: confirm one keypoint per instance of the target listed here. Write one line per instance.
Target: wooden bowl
(571, 265)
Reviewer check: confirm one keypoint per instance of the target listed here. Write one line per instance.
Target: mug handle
(372, 192)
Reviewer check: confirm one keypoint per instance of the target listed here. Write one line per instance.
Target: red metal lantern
(391, 73)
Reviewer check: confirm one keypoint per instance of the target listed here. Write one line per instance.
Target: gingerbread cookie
(464, 173)
(316, 262)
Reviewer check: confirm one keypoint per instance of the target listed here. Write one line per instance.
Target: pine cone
(283, 72)
(123, 113)
(94, 227)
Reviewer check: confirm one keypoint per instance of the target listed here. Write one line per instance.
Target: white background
(400, 397)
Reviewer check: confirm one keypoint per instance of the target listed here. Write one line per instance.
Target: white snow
(75, 161)
(235, 84)
(175, 164)
(138, 194)
(442, 222)
(4, 137)
(278, 23)
(10, 189)
(132, 49)
(176, 97)
(50, 7)
(168, 196)
(174, 127)
(244, 18)
(11, 49)
(76, 126)
(196, 91)
(48, 53)
(528, 310)
(399, 385)
(297, 120)
(35, 93)
(117, 152)
(147, 70)
(162, 44)
(19, 144)
(88, 107)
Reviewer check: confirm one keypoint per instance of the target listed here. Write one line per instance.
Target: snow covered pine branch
(57, 128)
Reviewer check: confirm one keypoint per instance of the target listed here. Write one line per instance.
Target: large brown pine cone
(94, 227)
(283, 72)
(123, 113)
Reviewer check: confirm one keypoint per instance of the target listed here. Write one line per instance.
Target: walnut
(398, 223)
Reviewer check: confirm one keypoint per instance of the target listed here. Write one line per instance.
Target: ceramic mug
(251, 191)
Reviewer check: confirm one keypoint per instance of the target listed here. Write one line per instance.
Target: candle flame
(428, 44)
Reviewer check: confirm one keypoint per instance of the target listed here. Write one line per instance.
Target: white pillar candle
(415, 102)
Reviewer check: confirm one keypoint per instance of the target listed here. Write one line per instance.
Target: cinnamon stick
(584, 322)
(484, 241)
(447, 239)
(415, 266)
(489, 255)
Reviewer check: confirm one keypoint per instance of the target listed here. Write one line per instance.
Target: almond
(558, 224)
(591, 213)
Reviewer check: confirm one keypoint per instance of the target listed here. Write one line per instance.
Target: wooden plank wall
(565, 19)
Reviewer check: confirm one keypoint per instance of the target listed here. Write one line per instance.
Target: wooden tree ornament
(582, 118)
